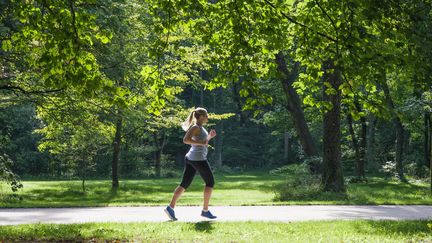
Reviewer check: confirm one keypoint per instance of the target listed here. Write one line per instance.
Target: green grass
(318, 231)
(255, 188)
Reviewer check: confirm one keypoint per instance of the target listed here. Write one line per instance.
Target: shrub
(300, 182)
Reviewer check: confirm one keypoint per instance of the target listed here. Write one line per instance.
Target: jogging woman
(195, 160)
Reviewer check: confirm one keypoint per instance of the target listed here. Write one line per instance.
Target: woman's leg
(205, 172)
(188, 175)
(207, 196)
(177, 193)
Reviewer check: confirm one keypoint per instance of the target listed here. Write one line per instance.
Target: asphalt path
(224, 214)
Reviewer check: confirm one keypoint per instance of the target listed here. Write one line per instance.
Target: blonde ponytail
(194, 115)
(188, 122)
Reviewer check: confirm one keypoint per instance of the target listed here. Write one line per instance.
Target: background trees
(336, 84)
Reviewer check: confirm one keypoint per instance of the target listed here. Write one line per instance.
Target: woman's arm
(211, 134)
(193, 131)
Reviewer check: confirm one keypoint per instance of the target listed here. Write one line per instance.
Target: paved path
(224, 213)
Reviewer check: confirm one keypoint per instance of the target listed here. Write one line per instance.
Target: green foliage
(146, 62)
(6, 175)
(300, 182)
(54, 40)
(74, 133)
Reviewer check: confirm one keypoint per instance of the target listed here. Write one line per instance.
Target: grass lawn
(254, 188)
(317, 231)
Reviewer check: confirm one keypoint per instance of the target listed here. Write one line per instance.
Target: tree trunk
(237, 100)
(157, 164)
(363, 141)
(218, 145)
(332, 175)
(286, 147)
(83, 174)
(157, 156)
(202, 96)
(359, 165)
(399, 133)
(158, 153)
(427, 138)
(399, 148)
(217, 156)
(294, 105)
(116, 152)
(430, 155)
(370, 151)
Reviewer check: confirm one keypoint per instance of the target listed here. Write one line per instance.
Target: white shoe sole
(207, 217)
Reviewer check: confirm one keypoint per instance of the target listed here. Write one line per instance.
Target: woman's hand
(212, 134)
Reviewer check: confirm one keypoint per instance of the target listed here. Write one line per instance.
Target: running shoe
(208, 215)
(170, 212)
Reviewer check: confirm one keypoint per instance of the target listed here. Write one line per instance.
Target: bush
(416, 171)
(170, 174)
(389, 168)
(300, 183)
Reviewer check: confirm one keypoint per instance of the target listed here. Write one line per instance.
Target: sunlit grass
(254, 188)
(316, 231)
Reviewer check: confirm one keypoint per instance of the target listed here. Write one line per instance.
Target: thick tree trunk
(116, 153)
(332, 175)
(370, 151)
(294, 105)
(399, 133)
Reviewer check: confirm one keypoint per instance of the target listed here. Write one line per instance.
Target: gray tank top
(198, 152)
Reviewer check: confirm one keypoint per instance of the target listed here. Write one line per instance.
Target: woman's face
(203, 118)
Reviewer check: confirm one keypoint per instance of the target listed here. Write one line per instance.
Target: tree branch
(326, 14)
(17, 88)
(298, 23)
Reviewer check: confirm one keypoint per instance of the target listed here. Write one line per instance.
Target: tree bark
(430, 155)
(363, 141)
(399, 133)
(287, 145)
(332, 175)
(116, 153)
(294, 105)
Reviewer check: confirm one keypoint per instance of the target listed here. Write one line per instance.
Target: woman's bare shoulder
(194, 129)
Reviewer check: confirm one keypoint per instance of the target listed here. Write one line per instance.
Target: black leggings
(203, 168)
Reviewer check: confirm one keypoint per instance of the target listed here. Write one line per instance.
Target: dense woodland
(98, 89)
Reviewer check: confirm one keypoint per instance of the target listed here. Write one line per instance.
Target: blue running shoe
(170, 212)
(208, 215)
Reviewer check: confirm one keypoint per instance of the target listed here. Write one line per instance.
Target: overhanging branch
(298, 23)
